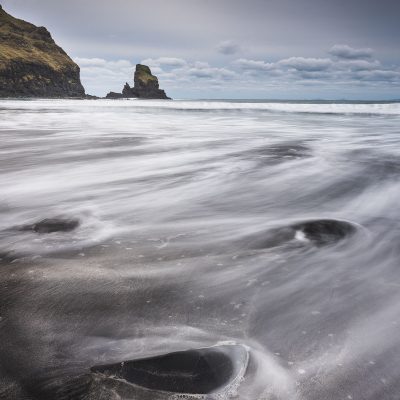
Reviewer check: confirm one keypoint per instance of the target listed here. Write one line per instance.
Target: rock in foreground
(51, 225)
(31, 63)
(318, 232)
(206, 373)
(145, 86)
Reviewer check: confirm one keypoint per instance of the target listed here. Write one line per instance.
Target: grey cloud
(209, 72)
(200, 72)
(314, 75)
(228, 47)
(100, 62)
(83, 62)
(296, 69)
(358, 64)
(296, 63)
(380, 75)
(254, 65)
(190, 71)
(306, 64)
(166, 61)
(347, 52)
(201, 64)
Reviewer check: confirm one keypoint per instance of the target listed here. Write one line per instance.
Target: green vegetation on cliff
(143, 74)
(31, 63)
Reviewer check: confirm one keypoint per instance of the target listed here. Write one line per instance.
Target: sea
(133, 230)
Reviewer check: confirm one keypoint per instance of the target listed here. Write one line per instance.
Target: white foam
(296, 107)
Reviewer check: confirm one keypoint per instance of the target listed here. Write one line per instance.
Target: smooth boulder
(52, 225)
(193, 372)
(319, 232)
(325, 231)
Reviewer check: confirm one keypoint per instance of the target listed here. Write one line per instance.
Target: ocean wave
(135, 229)
(308, 107)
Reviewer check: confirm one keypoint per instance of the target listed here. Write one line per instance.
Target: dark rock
(325, 231)
(320, 232)
(146, 86)
(114, 95)
(91, 97)
(127, 91)
(197, 372)
(8, 257)
(51, 225)
(31, 63)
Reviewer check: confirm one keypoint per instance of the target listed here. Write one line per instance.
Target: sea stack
(145, 86)
(31, 63)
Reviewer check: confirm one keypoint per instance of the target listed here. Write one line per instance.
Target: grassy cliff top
(144, 74)
(21, 41)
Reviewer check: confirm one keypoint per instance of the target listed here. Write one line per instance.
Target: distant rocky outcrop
(31, 63)
(145, 86)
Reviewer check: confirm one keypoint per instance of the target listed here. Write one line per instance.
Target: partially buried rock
(201, 373)
(51, 225)
(145, 86)
(115, 95)
(320, 232)
(325, 231)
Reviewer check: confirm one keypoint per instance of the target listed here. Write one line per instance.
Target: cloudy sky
(336, 49)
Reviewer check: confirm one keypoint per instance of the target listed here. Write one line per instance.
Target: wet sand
(277, 231)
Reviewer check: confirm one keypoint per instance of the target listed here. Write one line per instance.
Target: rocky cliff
(145, 86)
(31, 63)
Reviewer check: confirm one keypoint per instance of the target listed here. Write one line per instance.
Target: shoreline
(235, 100)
